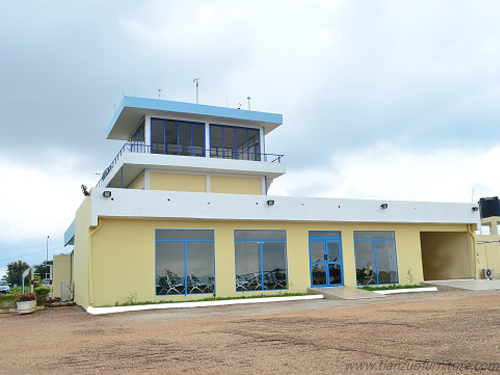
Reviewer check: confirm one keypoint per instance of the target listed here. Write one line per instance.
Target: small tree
(15, 271)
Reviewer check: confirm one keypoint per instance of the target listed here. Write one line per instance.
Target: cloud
(390, 172)
(39, 199)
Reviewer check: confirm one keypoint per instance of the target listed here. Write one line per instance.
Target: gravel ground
(317, 337)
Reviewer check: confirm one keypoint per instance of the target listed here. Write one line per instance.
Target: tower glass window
(174, 137)
(232, 142)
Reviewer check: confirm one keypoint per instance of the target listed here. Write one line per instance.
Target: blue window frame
(325, 254)
(185, 262)
(376, 257)
(233, 142)
(261, 262)
(175, 137)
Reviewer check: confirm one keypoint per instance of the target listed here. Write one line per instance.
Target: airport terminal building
(183, 213)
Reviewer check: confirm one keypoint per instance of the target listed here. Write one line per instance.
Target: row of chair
(175, 285)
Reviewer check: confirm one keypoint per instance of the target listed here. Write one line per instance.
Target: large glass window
(185, 262)
(231, 142)
(376, 261)
(260, 260)
(177, 137)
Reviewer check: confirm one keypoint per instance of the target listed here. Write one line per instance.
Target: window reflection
(185, 262)
(260, 261)
(375, 254)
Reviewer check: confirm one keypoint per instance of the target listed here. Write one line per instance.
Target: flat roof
(132, 109)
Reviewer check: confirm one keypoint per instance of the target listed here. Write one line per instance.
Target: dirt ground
(407, 332)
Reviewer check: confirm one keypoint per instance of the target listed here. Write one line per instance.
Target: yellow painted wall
(487, 254)
(139, 183)
(493, 222)
(123, 254)
(447, 256)
(62, 272)
(236, 185)
(178, 182)
(81, 254)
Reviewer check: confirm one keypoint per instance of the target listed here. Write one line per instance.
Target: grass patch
(7, 301)
(392, 287)
(207, 299)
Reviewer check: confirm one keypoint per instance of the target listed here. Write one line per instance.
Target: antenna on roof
(248, 98)
(239, 107)
(159, 93)
(197, 82)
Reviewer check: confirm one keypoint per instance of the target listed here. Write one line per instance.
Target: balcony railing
(216, 153)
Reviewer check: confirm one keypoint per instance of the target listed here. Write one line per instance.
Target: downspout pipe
(90, 271)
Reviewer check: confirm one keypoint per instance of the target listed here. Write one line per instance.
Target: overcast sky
(381, 99)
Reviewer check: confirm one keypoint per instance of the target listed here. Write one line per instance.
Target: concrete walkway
(344, 292)
(465, 284)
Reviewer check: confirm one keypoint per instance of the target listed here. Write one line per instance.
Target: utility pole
(197, 82)
(47, 259)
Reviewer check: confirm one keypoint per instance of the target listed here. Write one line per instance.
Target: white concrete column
(146, 180)
(262, 144)
(209, 184)
(147, 130)
(207, 139)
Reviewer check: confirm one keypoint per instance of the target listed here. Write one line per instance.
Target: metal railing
(215, 153)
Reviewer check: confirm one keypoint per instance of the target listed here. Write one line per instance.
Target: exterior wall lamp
(475, 208)
(106, 194)
(384, 206)
(270, 202)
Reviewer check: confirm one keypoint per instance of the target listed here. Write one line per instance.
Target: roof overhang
(132, 110)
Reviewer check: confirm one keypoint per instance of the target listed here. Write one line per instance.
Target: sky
(393, 100)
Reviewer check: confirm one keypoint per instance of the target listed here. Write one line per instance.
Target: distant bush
(42, 295)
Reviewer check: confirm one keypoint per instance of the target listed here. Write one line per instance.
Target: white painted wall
(163, 204)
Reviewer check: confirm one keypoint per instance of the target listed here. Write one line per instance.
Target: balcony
(191, 151)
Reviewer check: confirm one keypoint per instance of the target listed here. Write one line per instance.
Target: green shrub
(42, 295)
(37, 281)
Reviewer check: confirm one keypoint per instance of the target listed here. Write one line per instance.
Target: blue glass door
(326, 262)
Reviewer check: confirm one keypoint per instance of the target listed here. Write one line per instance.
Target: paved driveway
(316, 337)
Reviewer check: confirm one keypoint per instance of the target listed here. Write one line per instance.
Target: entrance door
(326, 262)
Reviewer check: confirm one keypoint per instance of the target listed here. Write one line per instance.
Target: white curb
(412, 290)
(162, 306)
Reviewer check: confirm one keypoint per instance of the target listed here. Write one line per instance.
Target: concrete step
(464, 284)
(344, 293)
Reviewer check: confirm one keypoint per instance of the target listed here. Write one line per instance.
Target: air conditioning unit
(489, 273)
(65, 291)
